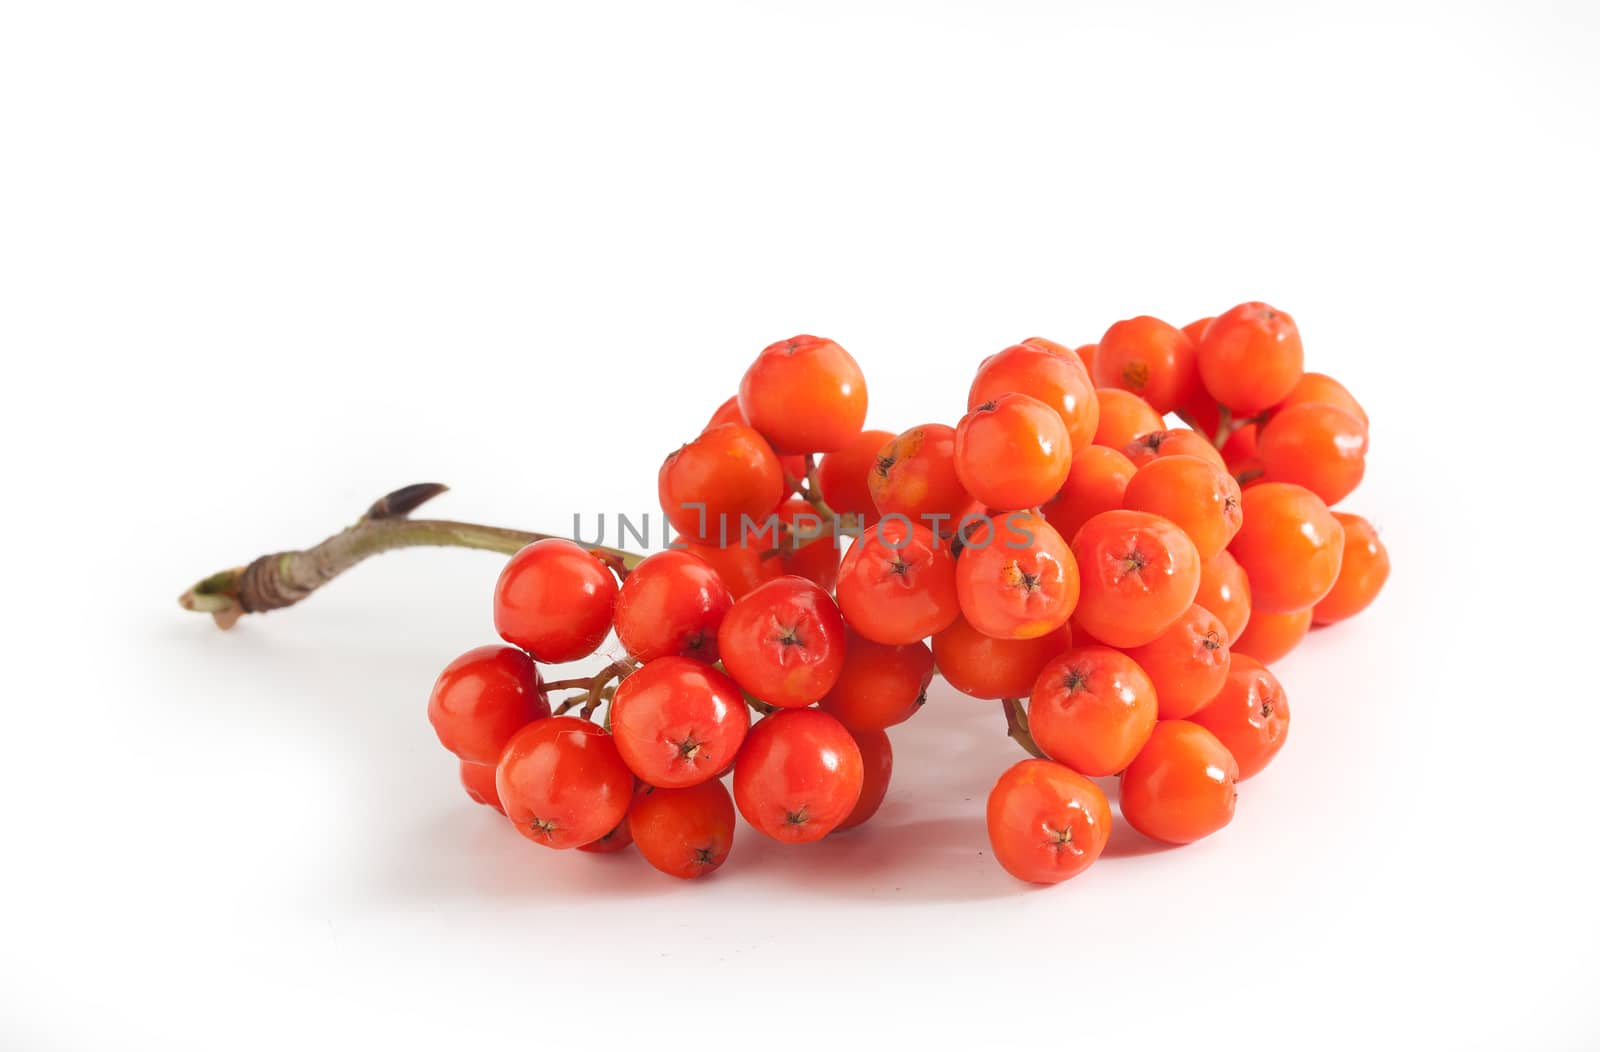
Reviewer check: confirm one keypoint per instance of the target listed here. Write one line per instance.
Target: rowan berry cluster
(1115, 585)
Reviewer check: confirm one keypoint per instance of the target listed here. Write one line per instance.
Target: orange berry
(1362, 573)
(1147, 356)
(1269, 637)
(1123, 417)
(1251, 358)
(1291, 546)
(1201, 497)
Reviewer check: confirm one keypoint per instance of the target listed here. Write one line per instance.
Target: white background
(260, 264)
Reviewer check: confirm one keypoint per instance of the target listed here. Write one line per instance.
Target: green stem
(1017, 726)
(282, 579)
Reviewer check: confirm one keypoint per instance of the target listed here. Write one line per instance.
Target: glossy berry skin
(1321, 389)
(562, 782)
(798, 776)
(817, 557)
(555, 601)
(793, 465)
(1086, 353)
(478, 780)
(1291, 546)
(1012, 452)
(880, 685)
(898, 583)
(1139, 573)
(1320, 447)
(685, 833)
(1269, 637)
(1124, 416)
(1046, 823)
(805, 394)
(1046, 371)
(1249, 715)
(1171, 442)
(711, 486)
(1016, 578)
(1250, 358)
(1147, 356)
(678, 722)
(1240, 451)
(1188, 663)
(741, 569)
(915, 476)
(671, 605)
(1198, 495)
(877, 765)
(982, 666)
(1182, 786)
(1092, 709)
(484, 697)
(1196, 330)
(784, 642)
(1362, 572)
(619, 839)
(1225, 591)
(843, 474)
(1096, 482)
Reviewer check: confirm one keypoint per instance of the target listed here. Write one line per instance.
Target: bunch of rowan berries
(1116, 585)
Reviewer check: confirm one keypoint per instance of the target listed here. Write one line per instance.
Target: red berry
(1139, 574)
(742, 568)
(805, 394)
(1169, 442)
(985, 667)
(563, 782)
(1123, 417)
(1181, 786)
(555, 600)
(784, 642)
(1147, 356)
(619, 839)
(1320, 447)
(1049, 372)
(1097, 482)
(813, 552)
(880, 685)
(1270, 637)
(877, 761)
(1250, 715)
(484, 697)
(672, 605)
(1362, 572)
(677, 722)
(1250, 358)
(718, 486)
(1225, 591)
(915, 477)
(898, 583)
(1323, 390)
(793, 465)
(1092, 709)
(1291, 546)
(685, 833)
(1199, 496)
(1012, 452)
(798, 776)
(843, 475)
(1016, 579)
(478, 780)
(1188, 662)
(1047, 823)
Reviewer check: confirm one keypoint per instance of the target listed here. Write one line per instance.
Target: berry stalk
(282, 579)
